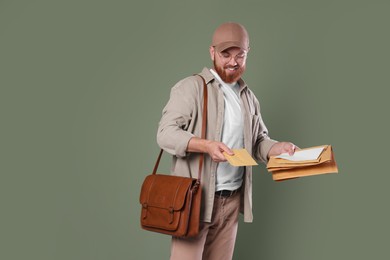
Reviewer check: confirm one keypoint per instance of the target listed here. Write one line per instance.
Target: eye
(225, 54)
(241, 55)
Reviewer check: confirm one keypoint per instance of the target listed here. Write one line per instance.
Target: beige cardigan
(182, 119)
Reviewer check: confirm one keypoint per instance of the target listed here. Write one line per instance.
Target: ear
(212, 52)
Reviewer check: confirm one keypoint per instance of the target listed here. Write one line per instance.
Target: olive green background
(83, 84)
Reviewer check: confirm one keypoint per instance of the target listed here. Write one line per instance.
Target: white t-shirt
(230, 177)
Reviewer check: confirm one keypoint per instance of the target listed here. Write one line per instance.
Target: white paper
(303, 155)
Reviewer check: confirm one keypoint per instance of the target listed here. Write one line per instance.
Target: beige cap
(230, 35)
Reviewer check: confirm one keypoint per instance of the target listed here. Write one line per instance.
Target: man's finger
(226, 149)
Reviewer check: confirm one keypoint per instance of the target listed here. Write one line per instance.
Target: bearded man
(233, 121)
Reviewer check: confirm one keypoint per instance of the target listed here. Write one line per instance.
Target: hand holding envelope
(304, 162)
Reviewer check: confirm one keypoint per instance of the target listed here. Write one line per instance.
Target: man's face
(230, 64)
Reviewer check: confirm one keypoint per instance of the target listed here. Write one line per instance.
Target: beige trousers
(216, 239)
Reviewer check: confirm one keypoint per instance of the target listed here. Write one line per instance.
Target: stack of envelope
(305, 162)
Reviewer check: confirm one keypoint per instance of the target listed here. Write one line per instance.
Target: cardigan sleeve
(173, 135)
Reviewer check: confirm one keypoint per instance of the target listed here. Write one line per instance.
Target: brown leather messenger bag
(171, 204)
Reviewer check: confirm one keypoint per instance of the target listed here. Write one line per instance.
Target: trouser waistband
(226, 193)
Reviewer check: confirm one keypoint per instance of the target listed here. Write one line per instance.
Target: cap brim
(226, 45)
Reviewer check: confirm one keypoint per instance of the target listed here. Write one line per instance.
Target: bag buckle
(171, 211)
(145, 210)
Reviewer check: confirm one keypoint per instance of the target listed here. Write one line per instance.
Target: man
(233, 121)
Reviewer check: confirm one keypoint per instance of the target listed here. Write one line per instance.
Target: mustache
(231, 67)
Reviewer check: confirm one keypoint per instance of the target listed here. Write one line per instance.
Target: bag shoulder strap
(203, 133)
(204, 124)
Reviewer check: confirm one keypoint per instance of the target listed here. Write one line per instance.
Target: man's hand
(213, 148)
(216, 149)
(282, 147)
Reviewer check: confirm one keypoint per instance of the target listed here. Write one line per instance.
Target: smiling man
(233, 121)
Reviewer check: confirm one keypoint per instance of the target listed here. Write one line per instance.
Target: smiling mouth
(232, 68)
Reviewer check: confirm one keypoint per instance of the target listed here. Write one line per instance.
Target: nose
(232, 62)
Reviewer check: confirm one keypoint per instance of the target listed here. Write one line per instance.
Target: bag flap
(165, 191)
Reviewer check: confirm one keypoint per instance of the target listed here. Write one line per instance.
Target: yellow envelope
(241, 157)
(282, 171)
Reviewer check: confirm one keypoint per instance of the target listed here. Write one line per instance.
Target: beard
(231, 77)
